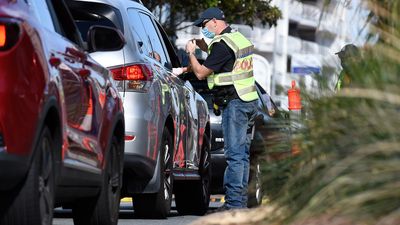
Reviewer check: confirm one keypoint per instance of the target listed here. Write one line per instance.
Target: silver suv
(167, 127)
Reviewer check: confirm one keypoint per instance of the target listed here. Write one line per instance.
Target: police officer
(350, 58)
(229, 72)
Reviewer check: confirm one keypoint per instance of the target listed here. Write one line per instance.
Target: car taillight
(9, 33)
(133, 72)
(135, 76)
(2, 35)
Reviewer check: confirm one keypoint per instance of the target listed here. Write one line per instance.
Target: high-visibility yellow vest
(343, 79)
(242, 74)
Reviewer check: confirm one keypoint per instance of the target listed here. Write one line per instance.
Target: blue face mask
(207, 33)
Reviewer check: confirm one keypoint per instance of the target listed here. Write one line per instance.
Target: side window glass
(84, 25)
(170, 49)
(41, 12)
(266, 100)
(63, 21)
(139, 32)
(87, 14)
(269, 104)
(157, 48)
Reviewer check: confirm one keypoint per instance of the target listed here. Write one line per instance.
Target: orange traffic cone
(294, 97)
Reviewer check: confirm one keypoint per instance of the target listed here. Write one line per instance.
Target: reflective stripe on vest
(242, 74)
(228, 78)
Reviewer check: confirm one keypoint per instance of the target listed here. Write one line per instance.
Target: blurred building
(302, 47)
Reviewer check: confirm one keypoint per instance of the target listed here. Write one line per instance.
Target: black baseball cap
(209, 13)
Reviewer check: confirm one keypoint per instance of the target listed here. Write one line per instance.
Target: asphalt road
(126, 216)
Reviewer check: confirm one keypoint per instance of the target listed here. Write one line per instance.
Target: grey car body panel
(146, 113)
(111, 59)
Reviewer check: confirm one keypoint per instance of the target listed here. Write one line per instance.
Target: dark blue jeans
(237, 117)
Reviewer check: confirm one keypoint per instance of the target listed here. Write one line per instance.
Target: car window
(174, 61)
(87, 14)
(85, 24)
(266, 100)
(42, 13)
(269, 104)
(157, 46)
(63, 21)
(139, 32)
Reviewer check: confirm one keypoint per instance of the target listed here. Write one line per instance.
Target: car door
(162, 64)
(189, 102)
(80, 87)
(192, 147)
(189, 121)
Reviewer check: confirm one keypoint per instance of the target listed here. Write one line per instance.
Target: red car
(61, 117)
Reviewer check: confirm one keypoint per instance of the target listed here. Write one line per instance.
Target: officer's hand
(202, 44)
(187, 69)
(190, 46)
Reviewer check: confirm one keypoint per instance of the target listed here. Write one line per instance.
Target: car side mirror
(103, 38)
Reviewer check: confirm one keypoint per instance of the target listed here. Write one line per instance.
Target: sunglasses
(205, 23)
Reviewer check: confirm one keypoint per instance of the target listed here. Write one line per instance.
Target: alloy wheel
(114, 181)
(167, 172)
(46, 180)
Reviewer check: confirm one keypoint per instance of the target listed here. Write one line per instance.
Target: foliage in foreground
(349, 168)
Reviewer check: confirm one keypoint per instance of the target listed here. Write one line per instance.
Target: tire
(193, 197)
(255, 193)
(104, 209)
(33, 201)
(158, 205)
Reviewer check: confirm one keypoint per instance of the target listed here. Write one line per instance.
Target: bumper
(13, 170)
(138, 172)
(138, 167)
(143, 120)
(139, 120)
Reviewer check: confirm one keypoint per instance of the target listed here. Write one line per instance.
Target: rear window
(84, 25)
(87, 14)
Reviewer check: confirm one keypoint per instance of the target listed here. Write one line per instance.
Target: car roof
(119, 3)
(135, 4)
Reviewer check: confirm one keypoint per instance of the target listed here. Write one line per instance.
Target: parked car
(61, 118)
(270, 137)
(167, 138)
